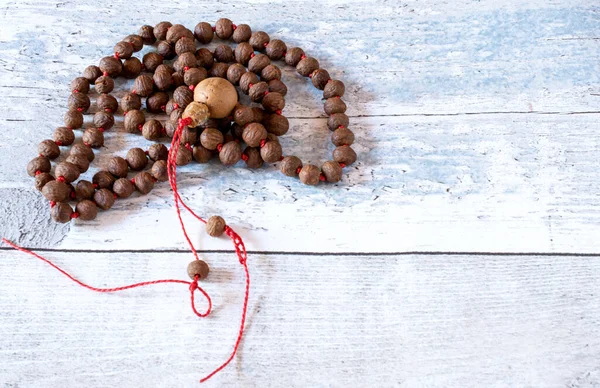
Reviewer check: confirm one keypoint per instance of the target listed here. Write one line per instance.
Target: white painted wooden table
(460, 251)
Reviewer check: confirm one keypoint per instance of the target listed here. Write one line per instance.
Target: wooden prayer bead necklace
(205, 119)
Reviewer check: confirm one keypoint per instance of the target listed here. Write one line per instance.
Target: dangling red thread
(192, 285)
(239, 246)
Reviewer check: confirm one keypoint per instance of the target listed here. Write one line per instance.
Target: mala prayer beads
(196, 89)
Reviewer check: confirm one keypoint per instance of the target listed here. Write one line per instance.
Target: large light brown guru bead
(218, 94)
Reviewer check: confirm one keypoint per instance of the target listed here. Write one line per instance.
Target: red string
(238, 243)
(192, 285)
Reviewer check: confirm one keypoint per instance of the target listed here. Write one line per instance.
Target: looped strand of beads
(249, 66)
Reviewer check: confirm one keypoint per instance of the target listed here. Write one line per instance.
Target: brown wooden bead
(257, 91)
(80, 161)
(79, 101)
(337, 120)
(204, 57)
(143, 85)
(123, 50)
(61, 212)
(165, 49)
(203, 32)
(290, 165)
(134, 120)
(253, 134)
(342, 136)
(184, 156)
(68, 171)
(93, 137)
(159, 171)
(306, 66)
(276, 49)
(201, 154)
(118, 167)
(332, 171)
(156, 102)
(111, 66)
(185, 61)
(144, 182)
(334, 105)
(272, 137)
(73, 119)
(273, 102)
(80, 85)
(63, 136)
(82, 149)
(41, 179)
(135, 41)
(147, 34)
(130, 101)
(178, 78)
(199, 269)
(252, 157)
(104, 120)
(248, 79)
(107, 103)
(270, 72)
(224, 28)
(104, 198)
(334, 88)
(123, 188)
(310, 174)
(230, 153)
(176, 32)
(171, 126)
(319, 78)
(188, 136)
(183, 96)
(87, 210)
(235, 72)
(91, 73)
(160, 30)
(185, 45)
(258, 62)
(56, 191)
(259, 114)
(152, 130)
(132, 67)
(277, 86)
(242, 33)
(211, 138)
(152, 60)
(219, 69)
(223, 53)
(103, 179)
(293, 56)
(49, 149)
(84, 189)
(243, 52)
(344, 154)
(136, 159)
(158, 151)
(39, 163)
(243, 115)
(194, 75)
(259, 40)
(162, 80)
(271, 152)
(215, 226)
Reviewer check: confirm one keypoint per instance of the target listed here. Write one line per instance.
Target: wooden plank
(416, 58)
(436, 321)
(515, 183)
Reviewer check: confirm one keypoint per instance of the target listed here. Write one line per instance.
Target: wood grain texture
(414, 321)
(477, 128)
